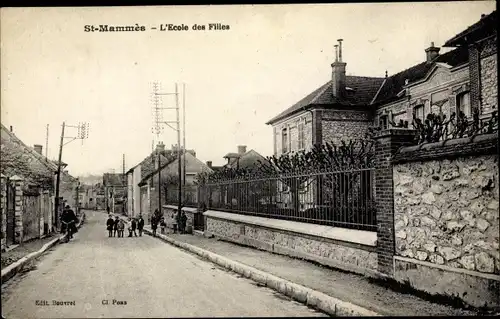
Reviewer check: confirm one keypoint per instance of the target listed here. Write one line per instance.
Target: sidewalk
(11, 256)
(347, 287)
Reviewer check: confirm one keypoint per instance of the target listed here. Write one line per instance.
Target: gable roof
(20, 159)
(363, 90)
(479, 30)
(112, 179)
(247, 160)
(396, 83)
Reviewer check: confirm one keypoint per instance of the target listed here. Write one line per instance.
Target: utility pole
(177, 128)
(83, 133)
(47, 142)
(157, 129)
(184, 133)
(124, 184)
(179, 149)
(58, 178)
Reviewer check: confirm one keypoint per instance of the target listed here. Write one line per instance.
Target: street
(97, 276)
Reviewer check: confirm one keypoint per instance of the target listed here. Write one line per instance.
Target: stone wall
(446, 212)
(446, 200)
(343, 125)
(348, 256)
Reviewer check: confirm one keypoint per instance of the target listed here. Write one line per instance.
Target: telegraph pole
(83, 133)
(184, 132)
(158, 130)
(124, 184)
(47, 142)
(58, 178)
(176, 128)
(179, 151)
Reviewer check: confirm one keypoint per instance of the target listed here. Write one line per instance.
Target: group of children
(117, 226)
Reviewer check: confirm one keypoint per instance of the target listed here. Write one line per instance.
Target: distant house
(137, 201)
(170, 181)
(243, 159)
(114, 192)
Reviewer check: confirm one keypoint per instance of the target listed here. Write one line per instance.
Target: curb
(310, 297)
(11, 270)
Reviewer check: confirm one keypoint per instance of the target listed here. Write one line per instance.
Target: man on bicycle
(69, 219)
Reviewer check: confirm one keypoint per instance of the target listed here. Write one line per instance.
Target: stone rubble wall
(446, 212)
(297, 245)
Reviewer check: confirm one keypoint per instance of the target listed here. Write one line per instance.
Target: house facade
(138, 198)
(342, 109)
(115, 192)
(150, 188)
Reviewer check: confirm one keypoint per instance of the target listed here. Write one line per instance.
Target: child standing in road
(110, 223)
(163, 226)
(121, 227)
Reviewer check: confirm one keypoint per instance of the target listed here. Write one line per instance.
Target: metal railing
(189, 195)
(335, 198)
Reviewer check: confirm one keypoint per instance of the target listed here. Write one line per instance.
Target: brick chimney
(209, 164)
(338, 72)
(431, 52)
(38, 148)
(11, 130)
(160, 147)
(242, 149)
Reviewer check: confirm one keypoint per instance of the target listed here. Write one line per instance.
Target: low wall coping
(482, 144)
(362, 237)
(187, 209)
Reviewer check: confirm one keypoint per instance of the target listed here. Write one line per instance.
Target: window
(284, 141)
(383, 121)
(463, 104)
(300, 127)
(419, 112)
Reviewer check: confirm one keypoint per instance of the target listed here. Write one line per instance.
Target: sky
(236, 80)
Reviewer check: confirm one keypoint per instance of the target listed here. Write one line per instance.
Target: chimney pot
(38, 148)
(431, 52)
(209, 164)
(340, 49)
(11, 128)
(242, 149)
(483, 15)
(338, 73)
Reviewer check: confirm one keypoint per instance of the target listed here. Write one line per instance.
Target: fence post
(18, 229)
(387, 143)
(3, 208)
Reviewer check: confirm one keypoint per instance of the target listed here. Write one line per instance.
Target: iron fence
(189, 195)
(335, 198)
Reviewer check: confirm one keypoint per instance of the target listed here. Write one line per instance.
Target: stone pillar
(18, 228)
(387, 143)
(3, 208)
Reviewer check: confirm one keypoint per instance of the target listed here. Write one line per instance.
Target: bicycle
(69, 230)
